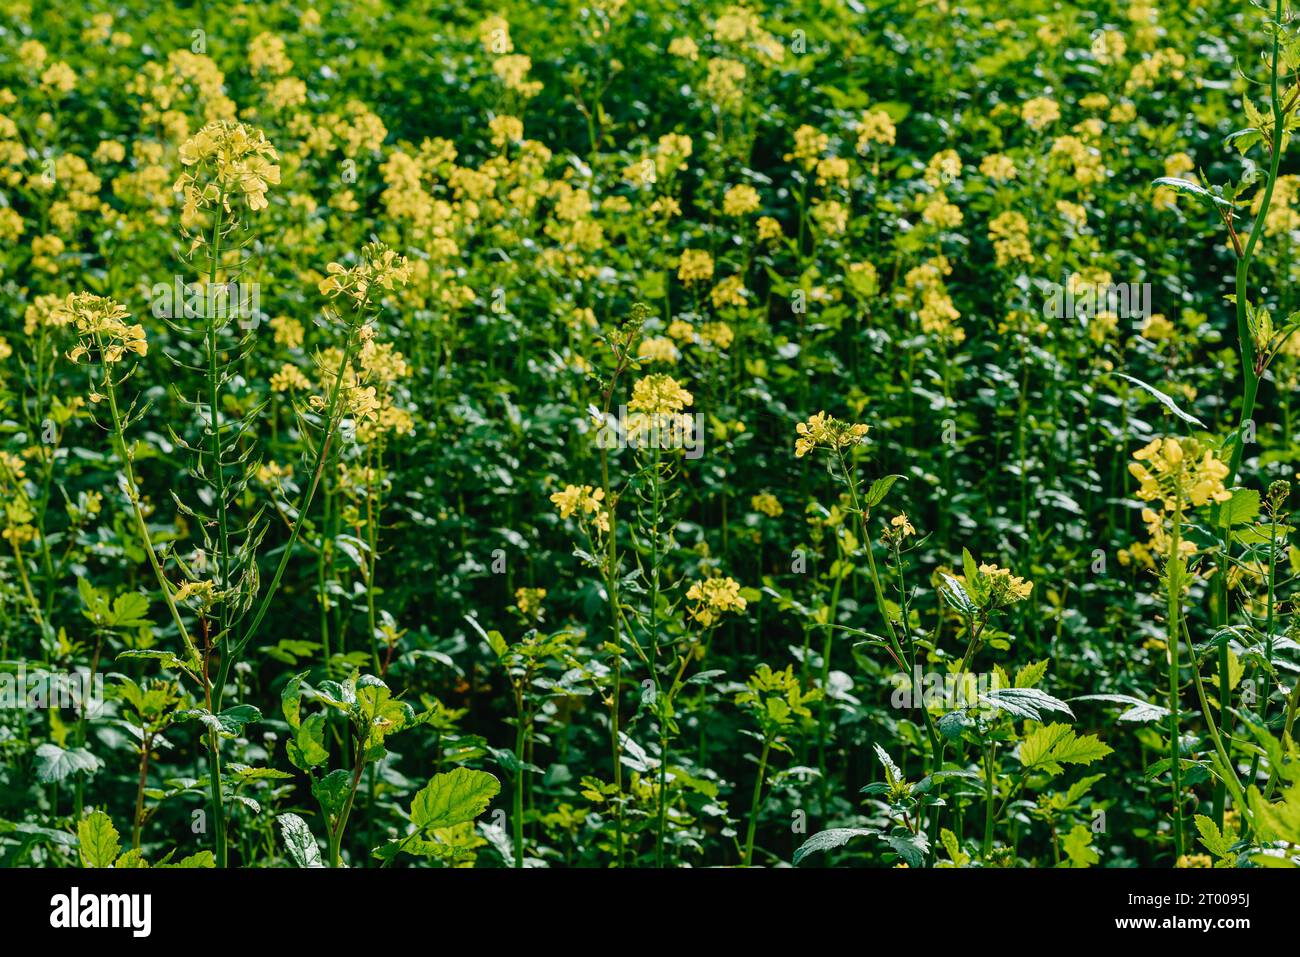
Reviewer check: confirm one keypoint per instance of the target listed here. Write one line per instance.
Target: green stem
(755, 802)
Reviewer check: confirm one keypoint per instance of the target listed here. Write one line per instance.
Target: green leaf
(1024, 702)
(291, 700)
(825, 840)
(956, 595)
(1139, 710)
(912, 848)
(1164, 400)
(299, 840)
(458, 795)
(953, 846)
(1238, 510)
(493, 638)
(893, 775)
(98, 839)
(1053, 745)
(1196, 190)
(307, 749)
(1078, 847)
(1031, 674)
(53, 763)
(332, 790)
(129, 610)
(165, 659)
(228, 724)
(880, 488)
(1214, 840)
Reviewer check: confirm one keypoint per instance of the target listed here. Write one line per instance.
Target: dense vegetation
(607, 434)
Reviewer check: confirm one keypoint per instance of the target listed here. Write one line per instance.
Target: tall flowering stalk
(229, 168)
(1174, 476)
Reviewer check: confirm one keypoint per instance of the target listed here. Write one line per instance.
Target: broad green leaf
(1024, 702)
(1078, 847)
(298, 839)
(458, 795)
(1193, 189)
(879, 489)
(1138, 709)
(912, 848)
(825, 840)
(53, 763)
(98, 840)
(1053, 745)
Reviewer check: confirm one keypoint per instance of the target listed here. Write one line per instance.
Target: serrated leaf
(299, 841)
(1214, 840)
(1031, 674)
(825, 840)
(1027, 703)
(54, 763)
(98, 840)
(454, 797)
(1053, 745)
(1138, 710)
(1078, 847)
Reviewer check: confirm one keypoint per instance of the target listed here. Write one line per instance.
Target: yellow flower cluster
(659, 394)
(101, 327)
(1040, 112)
(696, 266)
(379, 267)
(876, 127)
(766, 503)
(824, 431)
(740, 200)
(996, 587)
(583, 500)
(529, 601)
(1009, 233)
(1170, 471)
(229, 159)
(712, 598)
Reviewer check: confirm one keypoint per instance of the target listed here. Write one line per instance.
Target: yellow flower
(101, 329)
(876, 127)
(824, 431)
(229, 159)
(712, 597)
(529, 601)
(903, 526)
(696, 266)
(740, 200)
(943, 168)
(809, 145)
(582, 500)
(766, 503)
(684, 47)
(769, 229)
(659, 349)
(379, 267)
(1173, 471)
(290, 377)
(659, 394)
(1040, 112)
(505, 130)
(998, 167)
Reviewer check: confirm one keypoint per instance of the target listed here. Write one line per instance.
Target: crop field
(808, 434)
